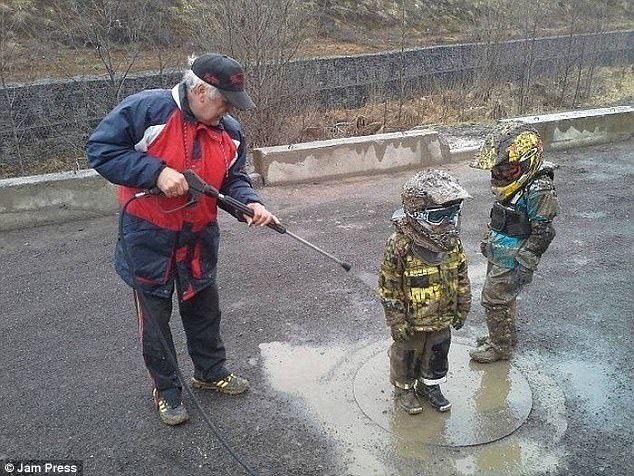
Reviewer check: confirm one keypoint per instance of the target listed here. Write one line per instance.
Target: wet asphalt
(310, 336)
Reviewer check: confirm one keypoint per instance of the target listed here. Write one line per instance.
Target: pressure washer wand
(197, 184)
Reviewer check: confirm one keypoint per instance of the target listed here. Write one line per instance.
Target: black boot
(408, 400)
(433, 395)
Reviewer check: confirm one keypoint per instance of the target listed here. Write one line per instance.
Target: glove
(483, 247)
(457, 323)
(401, 331)
(524, 275)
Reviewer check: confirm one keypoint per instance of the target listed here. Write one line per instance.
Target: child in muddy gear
(519, 232)
(424, 287)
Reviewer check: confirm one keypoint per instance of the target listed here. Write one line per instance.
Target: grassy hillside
(371, 25)
(42, 39)
(58, 38)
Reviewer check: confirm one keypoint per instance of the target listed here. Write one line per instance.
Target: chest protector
(510, 221)
(430, 284)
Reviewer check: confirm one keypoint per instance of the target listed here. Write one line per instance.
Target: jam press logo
(41, 467)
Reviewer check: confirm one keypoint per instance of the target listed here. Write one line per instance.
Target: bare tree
(532, 12)
(401, 70)
(118, 31)
(164, 20)
(265, 36)
(492, 27)
(571, 11)
(114, 35)
(601, 13)
(14, 98)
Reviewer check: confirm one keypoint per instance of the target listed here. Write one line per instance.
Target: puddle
(321, 378)
(504, 458)
(489, 402)
(287, 367)
(346, 389)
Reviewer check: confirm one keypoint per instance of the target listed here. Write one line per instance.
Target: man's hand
(172, 183)
(261, 216)
(484, 247)
(524, 275)
(401, 331)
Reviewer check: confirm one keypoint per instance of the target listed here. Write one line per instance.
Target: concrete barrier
(30, 201)
(567, 130)
(321, 160)
(53, 198)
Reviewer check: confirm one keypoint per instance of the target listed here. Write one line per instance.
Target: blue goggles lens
(436, 216)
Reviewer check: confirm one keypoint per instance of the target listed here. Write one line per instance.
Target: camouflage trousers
(421, 356)
(499, 295)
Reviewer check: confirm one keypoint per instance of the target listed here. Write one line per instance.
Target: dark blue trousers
(201, 321)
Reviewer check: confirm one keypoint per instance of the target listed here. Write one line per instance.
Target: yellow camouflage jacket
(428, 297)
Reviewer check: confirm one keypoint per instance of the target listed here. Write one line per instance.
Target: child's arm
(543, 206)
(463, 295)
(391, 291)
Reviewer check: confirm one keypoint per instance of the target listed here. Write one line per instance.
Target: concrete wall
(53, 198)
(350, 156)
(419, 149)
(348, 81)
(30, 201)
(583, 128)
(52, 119)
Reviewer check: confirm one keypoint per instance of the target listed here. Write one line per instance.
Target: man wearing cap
(167, 240)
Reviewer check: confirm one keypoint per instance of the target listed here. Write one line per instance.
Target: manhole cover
(489, 402)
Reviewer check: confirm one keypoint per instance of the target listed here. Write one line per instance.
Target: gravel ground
(74, 385)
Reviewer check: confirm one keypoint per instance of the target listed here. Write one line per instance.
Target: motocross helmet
(432, 203)
(513, 152)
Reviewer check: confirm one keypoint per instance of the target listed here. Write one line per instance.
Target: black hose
(171, 357)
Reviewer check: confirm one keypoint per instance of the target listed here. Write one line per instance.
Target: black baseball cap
(225, 74)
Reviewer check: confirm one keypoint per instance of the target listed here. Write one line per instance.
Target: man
(167, 241)
(520, 230)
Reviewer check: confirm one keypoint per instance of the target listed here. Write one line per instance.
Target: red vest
(175, 145)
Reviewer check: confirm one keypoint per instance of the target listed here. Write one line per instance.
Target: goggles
(506, 171)
(437, 216)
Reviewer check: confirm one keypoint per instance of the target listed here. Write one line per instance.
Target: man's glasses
(436, 216)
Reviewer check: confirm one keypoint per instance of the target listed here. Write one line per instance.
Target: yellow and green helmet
(513, 152)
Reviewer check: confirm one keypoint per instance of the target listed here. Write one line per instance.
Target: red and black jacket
(145, 133)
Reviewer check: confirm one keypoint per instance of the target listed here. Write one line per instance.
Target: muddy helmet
(432, 202)
(513, 152)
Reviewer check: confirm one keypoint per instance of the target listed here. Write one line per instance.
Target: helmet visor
(437, 216)
(506, 172)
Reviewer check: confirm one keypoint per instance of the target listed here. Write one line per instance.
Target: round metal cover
(489, 402)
